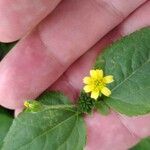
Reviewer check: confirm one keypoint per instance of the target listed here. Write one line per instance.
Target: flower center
(99, 84)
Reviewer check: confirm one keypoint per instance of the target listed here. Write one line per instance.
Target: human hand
(36, 62)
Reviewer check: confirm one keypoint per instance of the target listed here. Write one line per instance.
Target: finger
(125, 131)
(18, 17)
(18, 111)
(107, 132)
(40, 58)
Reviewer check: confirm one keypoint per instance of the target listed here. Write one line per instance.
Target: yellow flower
(29, 104)
(96, 83)
(26, 104)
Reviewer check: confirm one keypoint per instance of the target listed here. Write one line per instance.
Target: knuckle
(57, 62)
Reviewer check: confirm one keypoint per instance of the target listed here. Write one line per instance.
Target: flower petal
(95, 94)
(99, 73)
(88, 88)
(106, 91)
(26, 104)
(87, 80)
(93, 73)
(108, 79)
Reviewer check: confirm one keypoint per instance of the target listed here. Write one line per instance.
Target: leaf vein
(46, 132)
(130, 76)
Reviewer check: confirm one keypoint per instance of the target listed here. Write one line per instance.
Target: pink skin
(19, 16)
(32, 66)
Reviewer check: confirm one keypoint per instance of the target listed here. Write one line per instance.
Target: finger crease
(60, 64)
(129, 130)
(109, 7)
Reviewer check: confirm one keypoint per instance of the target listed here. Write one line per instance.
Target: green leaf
(5, 123)
(55, 127)
(128, 60)
(144, 144)
(5, 48)
(53, 98)
(102, 108)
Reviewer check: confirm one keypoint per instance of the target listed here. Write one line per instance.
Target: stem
(61, 106)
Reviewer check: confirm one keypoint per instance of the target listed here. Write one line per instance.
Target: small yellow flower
(29, 104)
(96, 83)
(26, 104)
